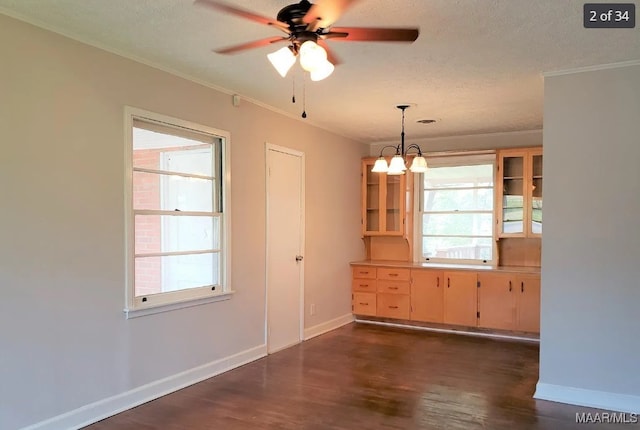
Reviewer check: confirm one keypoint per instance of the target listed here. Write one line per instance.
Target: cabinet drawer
(364, 303)
(364, 272)
(393, 274)
(364, 285)
(394, 287)
(393, 306)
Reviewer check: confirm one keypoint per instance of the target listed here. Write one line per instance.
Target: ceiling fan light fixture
(282, 60)
(312, 56)
(324, 70)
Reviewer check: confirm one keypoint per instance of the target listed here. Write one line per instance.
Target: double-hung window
(177, 213)
(455, 202)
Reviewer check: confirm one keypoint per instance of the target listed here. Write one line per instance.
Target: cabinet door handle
(510, 286)
(437, 281)
(448, 282)
(522, 287)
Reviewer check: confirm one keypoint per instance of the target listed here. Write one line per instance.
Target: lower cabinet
(497, 301)
(427, 295)
(509, 301)
(528, 303)
(461, 298)
(487, 299)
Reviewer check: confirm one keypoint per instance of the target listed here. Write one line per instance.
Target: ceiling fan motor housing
(294, 15)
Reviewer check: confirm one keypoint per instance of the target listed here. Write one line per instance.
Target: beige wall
(589, 345)
(65, 342)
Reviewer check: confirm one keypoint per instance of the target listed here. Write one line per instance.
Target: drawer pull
(393, 288)
(364, 273)
(364, 304)
(364, 285)
(393, 274)
(393, 307)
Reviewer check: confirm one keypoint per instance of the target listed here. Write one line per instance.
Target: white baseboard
(102, 409)
(325, 327)
(452, 331)
(589, 398)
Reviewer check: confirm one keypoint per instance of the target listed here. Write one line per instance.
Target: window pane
(166, 233)
(170, 192)
(155, 275)
(458, 200)
(159, 151)
(459, 176)
(457, 248)
(469, 224)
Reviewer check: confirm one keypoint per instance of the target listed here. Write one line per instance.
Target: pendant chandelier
(398, 165)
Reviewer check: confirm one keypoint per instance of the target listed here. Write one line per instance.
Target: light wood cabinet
(427, 295)
(461, 298)
(509, 301)
(393, 306)
(519, 193)
(486, 299)
(364, 303)
(497, 301)
(383, 202)
(528, 303)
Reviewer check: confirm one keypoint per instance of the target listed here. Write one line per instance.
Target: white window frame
(162, 302)
(452, 160)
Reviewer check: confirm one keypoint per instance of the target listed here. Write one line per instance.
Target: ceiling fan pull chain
(293, 89)
(304, 96)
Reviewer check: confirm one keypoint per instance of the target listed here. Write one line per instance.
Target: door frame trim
(277, 148)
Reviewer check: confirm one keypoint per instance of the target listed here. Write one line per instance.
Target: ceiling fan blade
(360, 34)
(325, 12)
(331, 56)
(224, 7)
(249, 45)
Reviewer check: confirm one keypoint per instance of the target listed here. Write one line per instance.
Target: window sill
(151, 310)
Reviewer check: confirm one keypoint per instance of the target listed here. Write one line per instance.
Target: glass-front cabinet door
(393, 222)
(535, 214)
(372, 205)
(520, 193)
(512, 169)
(383, 199)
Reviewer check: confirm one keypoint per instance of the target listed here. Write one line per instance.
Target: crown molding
(591, 68)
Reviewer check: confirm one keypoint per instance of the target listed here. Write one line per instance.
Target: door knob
(299, 257)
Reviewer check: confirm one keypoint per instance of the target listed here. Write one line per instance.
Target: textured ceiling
(476, 66)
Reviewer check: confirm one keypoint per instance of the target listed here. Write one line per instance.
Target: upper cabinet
(383, 202)
(519, 193)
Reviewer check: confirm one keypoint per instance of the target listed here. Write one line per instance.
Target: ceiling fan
(307, 26)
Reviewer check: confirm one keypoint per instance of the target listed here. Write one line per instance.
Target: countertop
(444, 266)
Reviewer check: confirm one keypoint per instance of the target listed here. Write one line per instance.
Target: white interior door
(285, 227)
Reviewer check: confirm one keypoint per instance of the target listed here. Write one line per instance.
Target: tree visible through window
(456, 210)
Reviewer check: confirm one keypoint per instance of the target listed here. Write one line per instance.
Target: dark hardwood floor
(368, 377)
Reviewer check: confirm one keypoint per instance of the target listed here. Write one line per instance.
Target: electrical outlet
(312, 309)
